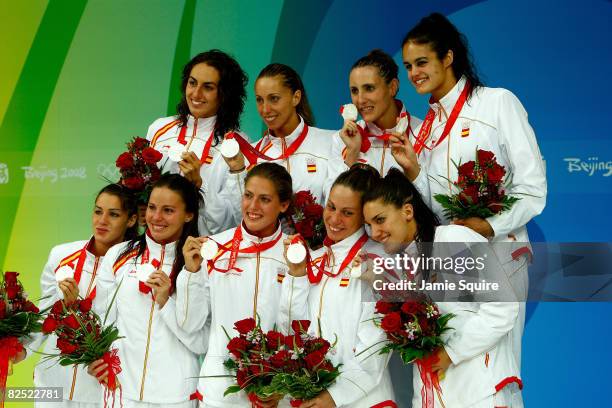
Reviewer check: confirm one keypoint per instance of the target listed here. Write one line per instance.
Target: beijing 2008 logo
(4, 174)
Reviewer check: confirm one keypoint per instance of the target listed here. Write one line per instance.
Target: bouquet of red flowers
(82, 339)
(414, 329)
(268, 364)
(307, 219)
(18, 318)
(138, 167)
(481, 189)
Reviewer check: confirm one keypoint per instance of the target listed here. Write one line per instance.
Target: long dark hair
(277, 175)
(437, 31)
(193, 200)
(129, 204)
(291, 80)
(231, 91)
(395, 189)
(387, 68)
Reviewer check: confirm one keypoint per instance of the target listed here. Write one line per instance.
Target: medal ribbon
(425, 131)
(206, 150)
(234, 250)
(252, 153)
(349, 257)
(142, 287)
(78, 271)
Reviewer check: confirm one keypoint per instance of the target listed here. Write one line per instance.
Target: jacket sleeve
(219, 209)
(196, 341)
(519, 145)
(481, 331)
(361, 373)
(192, 304)
(336, 164)
(293, 301)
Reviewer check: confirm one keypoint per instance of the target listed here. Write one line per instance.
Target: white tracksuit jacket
(378, 156)
(158, 359)
(78, 386)
(343, 312)
(215, 216)
(219, 299)
(308, 165)
(479, 346)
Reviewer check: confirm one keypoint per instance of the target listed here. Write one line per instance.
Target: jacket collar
(375, 130)
(342, 247)
(155, 248)
(248, 238)
(290, 138)
(445, 105)
(204, 124)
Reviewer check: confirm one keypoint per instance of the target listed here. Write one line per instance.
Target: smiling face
(110, 221)
(166, 215)
(374, 98)
(426, 71)
(276, 104)
(261, 206)
(342, 214)
(201, 91)
(391, 226)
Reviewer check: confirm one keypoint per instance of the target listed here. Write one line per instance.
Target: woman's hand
(160, 283)
(443, 362)
(269, 402)
(191, 253)
(480, 225)
(323, 400)
(367, 266)
(352, 140)
(296, 270)
(98, 369)
(236, 164)
(404, 155)
(70, 289)
(190, 168)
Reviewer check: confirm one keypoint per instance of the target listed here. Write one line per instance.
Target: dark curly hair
(437, 31)
(231, 89)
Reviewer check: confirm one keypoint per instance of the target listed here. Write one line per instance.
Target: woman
(158, 359)
(477, 359)
(373, 83)
(213, 88)
(465, 115)
(237, 284)
(114, 219)
(337, 304)
(291, 140)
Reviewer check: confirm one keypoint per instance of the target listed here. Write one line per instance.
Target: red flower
(383, 307)
(134, 183)
(49, 325)
(2, 309)
(318, 344)
(150, 155)
(466, 170)
(313, 359)
(302, 198)
(124, 161)
(71, 322)
(237, 346)
(140, 143)
(305, 228)
(30, 307)
(242, 378)
(391, 322)
(410, 307)
(495, 207)
(424, 323)
(274, 339)
(495, 173)
(10, 278)
(469, 195)
(278, 359)
(313, 211)
(484, 157)
(293, 341)
(58, 307)
(12, 292)
(66, 347)
(245, 325)
(85, 305)
(300, 326)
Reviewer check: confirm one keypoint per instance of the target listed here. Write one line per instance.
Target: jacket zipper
(256, 286)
